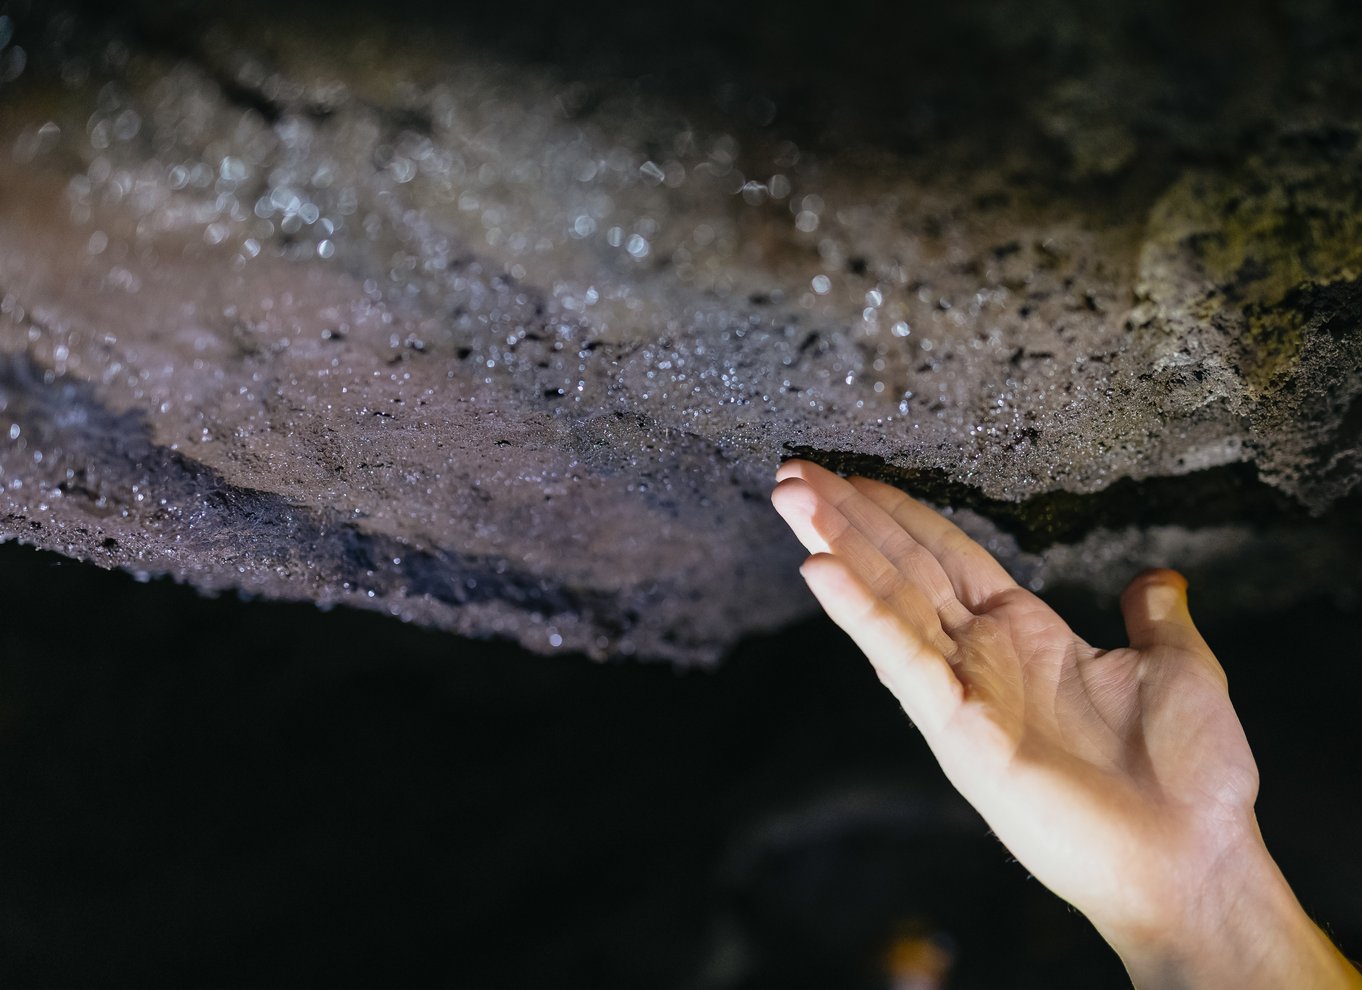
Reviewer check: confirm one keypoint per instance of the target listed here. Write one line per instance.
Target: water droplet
(126, 125)
(12, 62)
(232, 170)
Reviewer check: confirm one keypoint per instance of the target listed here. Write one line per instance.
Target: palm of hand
(1083, 761)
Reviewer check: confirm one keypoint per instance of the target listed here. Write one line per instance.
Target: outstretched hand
(1120, 778)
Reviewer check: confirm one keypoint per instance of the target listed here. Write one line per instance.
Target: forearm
(1246, 931)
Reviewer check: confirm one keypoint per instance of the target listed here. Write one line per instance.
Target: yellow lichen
(1250, 248)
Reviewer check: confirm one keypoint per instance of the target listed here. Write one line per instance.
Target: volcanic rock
(504, 327)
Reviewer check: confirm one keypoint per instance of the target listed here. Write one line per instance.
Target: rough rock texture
(504, 327)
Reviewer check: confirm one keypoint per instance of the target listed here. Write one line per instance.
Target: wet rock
(506, 331)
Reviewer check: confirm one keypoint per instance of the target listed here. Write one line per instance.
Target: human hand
(1120, 778)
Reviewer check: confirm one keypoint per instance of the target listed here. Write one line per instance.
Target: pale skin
(1121, 778)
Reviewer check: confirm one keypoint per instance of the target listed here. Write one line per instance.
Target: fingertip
(827, 577)
(799, 468)
(1155, 578)
(1154, 605)
(816, 563)
(792, 494)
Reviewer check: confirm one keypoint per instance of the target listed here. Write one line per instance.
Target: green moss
(1266, 240)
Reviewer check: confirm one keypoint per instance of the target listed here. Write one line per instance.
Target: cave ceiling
(501, 322)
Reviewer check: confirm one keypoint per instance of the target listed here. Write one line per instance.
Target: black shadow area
(218, 793)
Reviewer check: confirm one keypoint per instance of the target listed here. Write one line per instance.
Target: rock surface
(504, 327)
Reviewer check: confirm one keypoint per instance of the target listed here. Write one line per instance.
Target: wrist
(1239, 925)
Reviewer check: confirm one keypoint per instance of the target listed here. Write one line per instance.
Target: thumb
(1154, 606)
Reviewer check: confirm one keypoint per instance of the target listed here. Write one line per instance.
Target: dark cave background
(220, 793)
